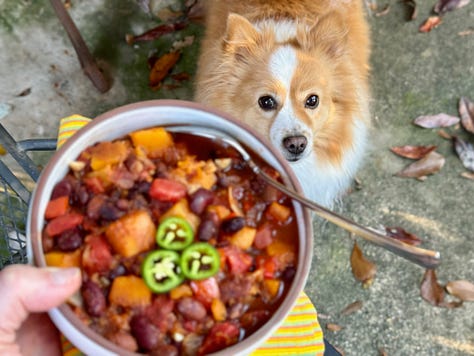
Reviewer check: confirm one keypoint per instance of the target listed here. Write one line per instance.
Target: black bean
(109, 211)
(146, 334)
(200, 199)
(94, 298)
(232, 225)
(120, 270)
(69, 240)
(288, 274)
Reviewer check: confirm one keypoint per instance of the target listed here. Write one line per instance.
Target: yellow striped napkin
(299, 334)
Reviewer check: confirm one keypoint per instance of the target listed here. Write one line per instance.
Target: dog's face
(286, 83)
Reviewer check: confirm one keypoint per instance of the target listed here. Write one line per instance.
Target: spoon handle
(88, 62)
(425, 258)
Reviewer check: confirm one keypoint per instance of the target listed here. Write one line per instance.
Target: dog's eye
(267, 102)
(312, 101)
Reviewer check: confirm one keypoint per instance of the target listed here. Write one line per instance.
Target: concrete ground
(413, 74)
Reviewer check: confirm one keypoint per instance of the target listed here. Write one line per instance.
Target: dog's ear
(330, 34)
(240, 35)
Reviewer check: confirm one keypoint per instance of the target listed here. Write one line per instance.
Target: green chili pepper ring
(200, 261)
(174, 233)
(161, 270)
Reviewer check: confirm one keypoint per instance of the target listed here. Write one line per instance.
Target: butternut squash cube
(155, 141)
(129, 291)
(108, 153)
(132, 233)
(63, 259)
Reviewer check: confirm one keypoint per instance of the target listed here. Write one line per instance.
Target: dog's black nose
(295, 144)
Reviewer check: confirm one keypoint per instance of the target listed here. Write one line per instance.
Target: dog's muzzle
(294, 146)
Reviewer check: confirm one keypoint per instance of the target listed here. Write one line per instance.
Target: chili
(161, 270)
(174, 233)
(200, 261)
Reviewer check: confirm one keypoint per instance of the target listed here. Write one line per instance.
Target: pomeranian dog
(297, 71)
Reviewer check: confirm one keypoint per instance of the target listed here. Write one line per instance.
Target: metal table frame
(14, 195)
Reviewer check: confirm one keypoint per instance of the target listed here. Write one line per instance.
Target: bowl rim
(289, 177)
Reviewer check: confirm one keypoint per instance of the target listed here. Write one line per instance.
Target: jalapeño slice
(161, 271)
(174, 233)
(200, 261)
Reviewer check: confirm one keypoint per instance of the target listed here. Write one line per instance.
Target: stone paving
(413, 74)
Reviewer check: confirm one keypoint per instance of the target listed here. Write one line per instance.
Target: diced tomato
(206, 290)
(167, 190)
(62, 223)
(237, 260)
(94, 184)
(57, 207)
(263, 238)
(97, 255)
(269, 266)
(221, 336)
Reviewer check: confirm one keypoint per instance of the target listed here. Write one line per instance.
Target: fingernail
(61, 276)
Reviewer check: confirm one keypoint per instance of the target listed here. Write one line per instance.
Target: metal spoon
(422, 257)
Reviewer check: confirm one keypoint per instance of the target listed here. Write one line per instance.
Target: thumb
(26, 289)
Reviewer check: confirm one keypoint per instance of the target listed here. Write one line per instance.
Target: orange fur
(328, 46)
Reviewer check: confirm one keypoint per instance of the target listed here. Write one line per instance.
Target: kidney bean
(191, 344)
(69, 240)
(146, 334)
(232, 225)
(62, 188)
(94, 298)
(94, 205)
(200, 199)
(165, 350)
(191, 308)
(82, 195)
(124, 340)
(208, 227)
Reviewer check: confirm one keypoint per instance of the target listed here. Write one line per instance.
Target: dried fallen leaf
(383, 12)
(362, 269)
(382, 352)
(465, 152)
(401, 234)
(161, 68)
(430, 23)
(442, 133)
(443, 6)
(467, 32)
(466, 111)
(461, 289)
(429, 164)
(412, 152)
(433, 292)
(24, 92)
(156, 32)
(352, 308)
(468, 175)
(434, 121)
(333, 327)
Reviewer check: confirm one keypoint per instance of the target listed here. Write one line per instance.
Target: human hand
(26, 293)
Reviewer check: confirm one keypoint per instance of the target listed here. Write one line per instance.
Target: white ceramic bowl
(116, 124)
